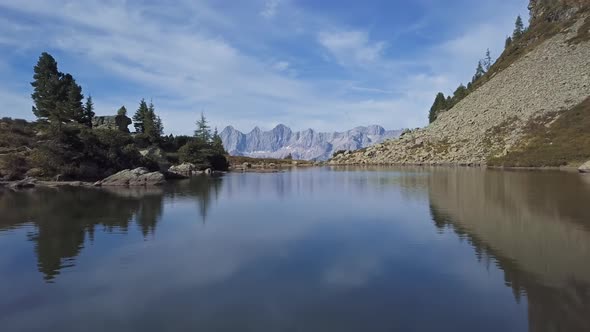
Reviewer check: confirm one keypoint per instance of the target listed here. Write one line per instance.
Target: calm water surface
(310, 250)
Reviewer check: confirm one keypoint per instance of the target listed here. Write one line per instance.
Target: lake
(322, 249)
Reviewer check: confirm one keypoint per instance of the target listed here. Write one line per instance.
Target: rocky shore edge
(142, 177)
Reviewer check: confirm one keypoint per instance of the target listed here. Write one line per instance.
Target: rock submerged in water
(585, 168)
(135, 177)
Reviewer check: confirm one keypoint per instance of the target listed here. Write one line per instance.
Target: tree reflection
(204, 189)
(537, 237)
(64, 219)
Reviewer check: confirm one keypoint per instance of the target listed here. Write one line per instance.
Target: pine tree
(152, 124)
(159, 126)
(440, 104)
(217, 143)
(460, 93)
(122, 111)
(73, 99)
(487, 62)
(88, 112)
(479, 72)
(518, 29)
(46, 88)
(139, 117)
(202, 133)
(508, 42)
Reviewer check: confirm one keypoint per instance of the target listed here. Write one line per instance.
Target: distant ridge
(303, 145)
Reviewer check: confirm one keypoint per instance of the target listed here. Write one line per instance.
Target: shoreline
(35, 183)
(463, 165)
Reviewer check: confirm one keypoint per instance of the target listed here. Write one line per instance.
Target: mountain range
(308, 144)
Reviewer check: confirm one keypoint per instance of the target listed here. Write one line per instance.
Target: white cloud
(195, 57)
(281, 65)
(352, 47)
(270, 9)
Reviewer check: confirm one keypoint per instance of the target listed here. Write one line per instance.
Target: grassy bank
(558, 139)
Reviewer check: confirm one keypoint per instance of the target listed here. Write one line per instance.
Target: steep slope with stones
(544, 76)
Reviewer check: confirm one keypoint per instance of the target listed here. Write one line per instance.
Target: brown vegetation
(558, 139)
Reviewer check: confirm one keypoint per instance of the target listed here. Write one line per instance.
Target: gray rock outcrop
(112, 122)
(134, 177)
(25, 183)
(184, 169)
(585, 168)
(309, 144)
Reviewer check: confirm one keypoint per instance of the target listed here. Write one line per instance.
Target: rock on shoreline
(585, 168)
(134, 177)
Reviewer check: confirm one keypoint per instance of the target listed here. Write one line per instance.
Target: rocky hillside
(303, 145)
(531, 108)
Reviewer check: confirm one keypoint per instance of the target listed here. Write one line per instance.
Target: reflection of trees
(65, 218)
(203, 189)
(534, 226)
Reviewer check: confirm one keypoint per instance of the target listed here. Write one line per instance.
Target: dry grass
(550, 142)
(583, 33)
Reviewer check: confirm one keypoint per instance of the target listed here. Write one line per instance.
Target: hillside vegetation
(68, 142)
(535, 94)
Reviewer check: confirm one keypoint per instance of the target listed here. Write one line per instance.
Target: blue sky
(327, 65)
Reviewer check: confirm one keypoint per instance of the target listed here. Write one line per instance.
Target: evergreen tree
(508, 42)
(202, 133)
(140, 116)
(217, 143)
(479, 72)
(487, 62)
(158, 127)
(518, 29)
(72, 99)
(460, 93)
(440, 104)
(152, 124)
(449, 102)
(88, 112)
(46, 88)
(122, 111)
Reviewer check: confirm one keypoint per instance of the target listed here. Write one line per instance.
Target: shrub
(14, 166)
(202, 156)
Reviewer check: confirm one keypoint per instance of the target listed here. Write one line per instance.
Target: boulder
(135, 177)
(25, 183)
(246, 165)
(115, 122)
(184, 169)
(585, 168)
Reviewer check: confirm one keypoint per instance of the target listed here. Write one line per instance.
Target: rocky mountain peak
(308, 144)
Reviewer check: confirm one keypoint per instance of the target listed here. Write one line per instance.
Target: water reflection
(320, 249)
(534, 227)
(66, 219)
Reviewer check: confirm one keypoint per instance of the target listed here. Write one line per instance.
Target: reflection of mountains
(65, 219)
(536, 227)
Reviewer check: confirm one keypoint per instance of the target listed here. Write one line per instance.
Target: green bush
(203, 156)
(13, 166)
